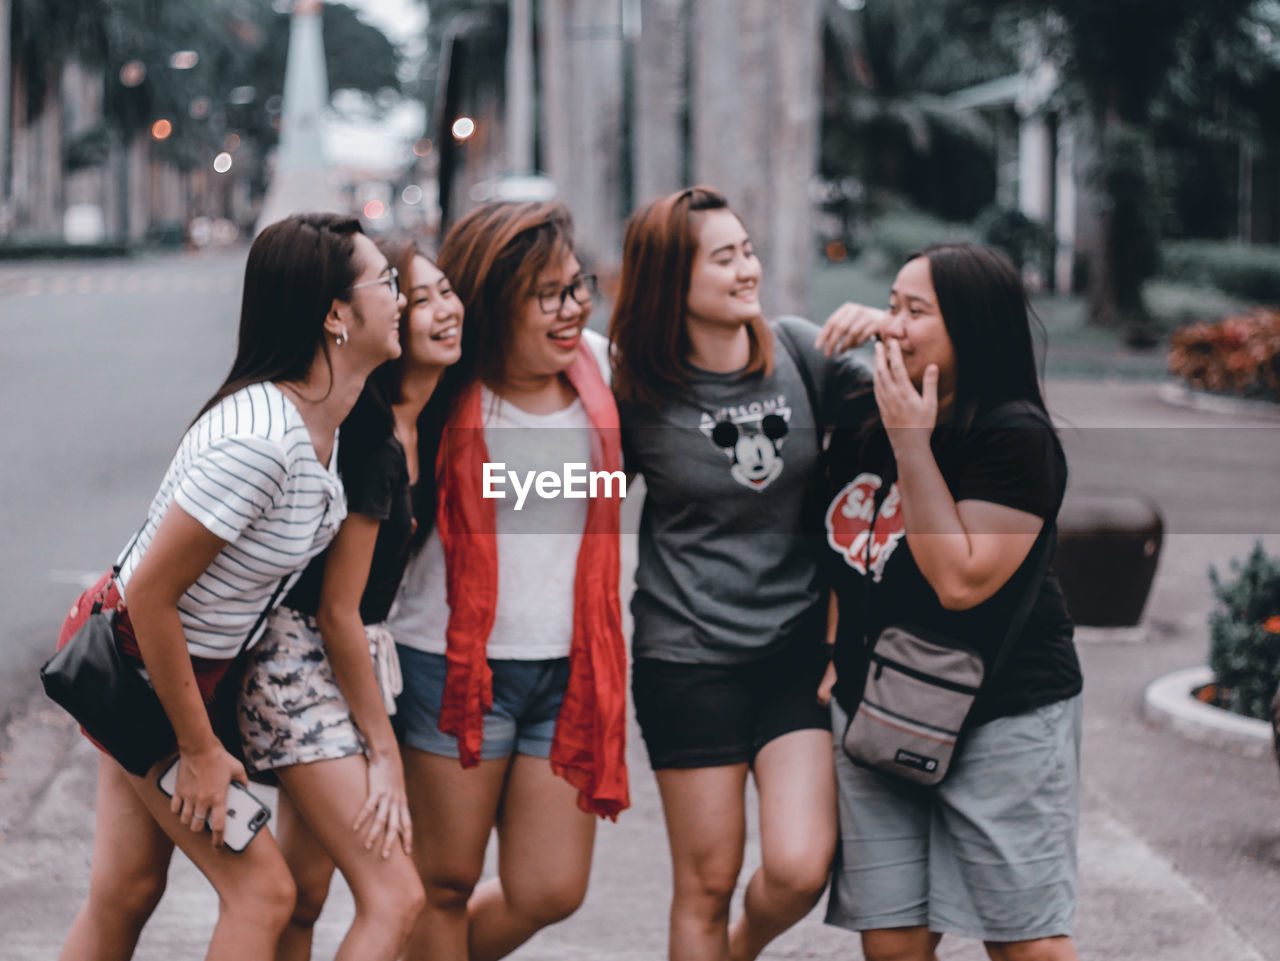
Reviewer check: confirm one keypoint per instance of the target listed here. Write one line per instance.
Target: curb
(1179, 395)
(1168, 703)
(1131, 634)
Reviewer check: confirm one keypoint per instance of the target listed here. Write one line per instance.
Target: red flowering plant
(1244, 634)
(1239, 355)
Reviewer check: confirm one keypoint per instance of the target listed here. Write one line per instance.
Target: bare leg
(388, 894)
(1042, 949)
(255, 892)
(544, 860)
(797, 786)
(706, 828)
(130, 864)
(900, 944)
(312, 871)
(454, 810)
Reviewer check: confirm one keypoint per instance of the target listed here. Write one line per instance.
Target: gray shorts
(988, 854)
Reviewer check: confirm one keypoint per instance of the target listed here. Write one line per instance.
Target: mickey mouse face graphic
(755, 454)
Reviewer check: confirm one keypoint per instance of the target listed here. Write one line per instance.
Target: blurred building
(619, 101)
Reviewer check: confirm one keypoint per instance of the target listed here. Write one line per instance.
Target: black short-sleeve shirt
(1012, 457)
(377, 485)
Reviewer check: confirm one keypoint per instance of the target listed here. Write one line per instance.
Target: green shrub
(1010, 230)
(1173, 304)
(894, 236)
(1249, 272)
(1244, 634)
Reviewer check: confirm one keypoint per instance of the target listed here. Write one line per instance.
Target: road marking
(117, 282)
(80, 578)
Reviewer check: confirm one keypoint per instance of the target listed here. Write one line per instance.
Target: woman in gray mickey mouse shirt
(730, 617)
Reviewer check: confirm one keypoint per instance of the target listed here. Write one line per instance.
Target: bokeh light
(463, 128)
(836, 251)
(411, 194)
(161, 129)
(231, 143)
(133, 73)
(374, 209)
(222, 162)
(242, 95)
(184, 60)
(422, 147)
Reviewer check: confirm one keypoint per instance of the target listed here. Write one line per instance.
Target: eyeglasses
(390, 280)
(552, 302)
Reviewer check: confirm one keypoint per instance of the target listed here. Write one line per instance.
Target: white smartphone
(246, 815)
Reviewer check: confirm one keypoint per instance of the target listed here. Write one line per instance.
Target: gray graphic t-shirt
(725, 574)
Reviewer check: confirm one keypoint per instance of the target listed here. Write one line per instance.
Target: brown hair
(647, 330)
(493, 257)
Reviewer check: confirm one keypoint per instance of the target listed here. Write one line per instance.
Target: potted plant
(1244, 637)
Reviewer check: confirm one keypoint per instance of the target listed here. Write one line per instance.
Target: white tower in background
(300, 180)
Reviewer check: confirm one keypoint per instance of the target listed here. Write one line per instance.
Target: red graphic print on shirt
(849, 523)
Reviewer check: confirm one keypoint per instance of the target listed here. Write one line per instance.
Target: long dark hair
(984, 308)
(988, 319)
(296, 269)
(647, 329)
(372, 416)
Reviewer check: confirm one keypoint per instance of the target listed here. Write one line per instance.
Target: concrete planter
(1178, 394)
(1170, 702)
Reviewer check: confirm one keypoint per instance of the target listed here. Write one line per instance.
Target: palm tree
(886, 119)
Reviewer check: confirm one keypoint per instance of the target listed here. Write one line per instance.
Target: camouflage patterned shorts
(291, 710)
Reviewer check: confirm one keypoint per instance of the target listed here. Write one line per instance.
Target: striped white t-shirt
(247, 471)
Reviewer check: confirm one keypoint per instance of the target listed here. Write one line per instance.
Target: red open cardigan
(589, 747)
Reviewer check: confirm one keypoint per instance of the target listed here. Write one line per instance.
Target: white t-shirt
(245, 470)
(537, 545)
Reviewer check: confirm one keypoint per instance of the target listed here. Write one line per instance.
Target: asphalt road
(102, 366)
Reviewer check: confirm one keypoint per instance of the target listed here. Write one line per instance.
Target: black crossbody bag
(92, 679)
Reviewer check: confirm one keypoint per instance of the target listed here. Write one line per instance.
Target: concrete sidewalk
(1134, 904)
(1180, 844)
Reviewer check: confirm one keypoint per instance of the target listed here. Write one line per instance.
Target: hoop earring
(341, 338)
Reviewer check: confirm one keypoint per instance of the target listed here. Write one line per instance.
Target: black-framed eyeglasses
(552, 301)
(390, 280)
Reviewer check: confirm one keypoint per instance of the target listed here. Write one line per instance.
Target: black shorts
(706, 715)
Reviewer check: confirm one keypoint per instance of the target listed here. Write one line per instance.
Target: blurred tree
(232, 88)
(886, 122)
(1116, 57)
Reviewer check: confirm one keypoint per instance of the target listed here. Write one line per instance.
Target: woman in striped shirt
(318, 689)
(250, 497)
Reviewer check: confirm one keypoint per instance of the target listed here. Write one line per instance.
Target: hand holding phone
(246, 815)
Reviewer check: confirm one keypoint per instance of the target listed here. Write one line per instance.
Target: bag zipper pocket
(882, 662)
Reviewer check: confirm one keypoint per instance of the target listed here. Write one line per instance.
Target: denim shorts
(526, 702)
(989, 854)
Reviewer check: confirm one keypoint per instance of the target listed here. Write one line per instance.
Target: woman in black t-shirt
(318, 690)
(946, 482)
